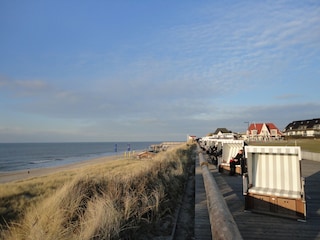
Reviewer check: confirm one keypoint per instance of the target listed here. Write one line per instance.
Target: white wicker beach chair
(273, 183)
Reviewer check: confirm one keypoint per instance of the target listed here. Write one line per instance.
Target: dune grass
(121, 199)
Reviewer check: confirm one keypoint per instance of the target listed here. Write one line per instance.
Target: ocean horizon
(25, 156)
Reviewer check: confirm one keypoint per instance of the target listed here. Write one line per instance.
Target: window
(273, 132)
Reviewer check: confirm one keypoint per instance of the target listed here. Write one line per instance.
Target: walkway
(259, 226)
(202, 227)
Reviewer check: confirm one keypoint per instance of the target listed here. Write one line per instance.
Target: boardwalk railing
(222, 223)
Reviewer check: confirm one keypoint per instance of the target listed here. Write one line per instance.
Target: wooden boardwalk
(202, 227)
(259, 226)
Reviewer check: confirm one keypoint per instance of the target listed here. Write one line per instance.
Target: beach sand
(37, 172)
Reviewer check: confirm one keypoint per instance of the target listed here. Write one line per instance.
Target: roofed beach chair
(273, 183)
(230, 150)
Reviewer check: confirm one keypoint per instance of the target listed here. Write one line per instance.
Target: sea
(22, 156)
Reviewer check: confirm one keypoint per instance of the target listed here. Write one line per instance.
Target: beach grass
(120, 199)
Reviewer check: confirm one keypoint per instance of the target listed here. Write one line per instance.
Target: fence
(310, 156)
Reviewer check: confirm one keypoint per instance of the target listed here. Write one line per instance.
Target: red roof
(258, 127)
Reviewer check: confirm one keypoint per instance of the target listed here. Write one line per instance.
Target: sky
(91, 71)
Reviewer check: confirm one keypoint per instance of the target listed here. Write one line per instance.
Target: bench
(229, 150)
(273, 183)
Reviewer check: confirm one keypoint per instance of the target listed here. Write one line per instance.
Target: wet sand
(37, 172)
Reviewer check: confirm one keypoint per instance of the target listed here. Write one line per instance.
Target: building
(191, 138)
(303, 128)
(263, 132)
(222, 133)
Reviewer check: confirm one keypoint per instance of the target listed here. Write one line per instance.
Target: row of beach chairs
(272, 180)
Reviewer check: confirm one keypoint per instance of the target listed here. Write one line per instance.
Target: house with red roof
(263, 132)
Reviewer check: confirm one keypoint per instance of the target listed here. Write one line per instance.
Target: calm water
(20, 156)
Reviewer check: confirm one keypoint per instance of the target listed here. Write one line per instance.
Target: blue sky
(154, 70)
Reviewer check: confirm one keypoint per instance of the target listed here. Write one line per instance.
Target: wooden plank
(202, 227)
(260, 226)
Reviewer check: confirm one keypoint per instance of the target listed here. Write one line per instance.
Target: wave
(39, 162)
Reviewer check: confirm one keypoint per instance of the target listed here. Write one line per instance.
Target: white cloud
(22, 88)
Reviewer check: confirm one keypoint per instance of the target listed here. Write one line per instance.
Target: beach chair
(229, 150)
(273, 182)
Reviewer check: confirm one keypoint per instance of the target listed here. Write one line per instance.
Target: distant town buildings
(303, 128)
(269, 131)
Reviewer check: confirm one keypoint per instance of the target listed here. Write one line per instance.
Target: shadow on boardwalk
(259, 226)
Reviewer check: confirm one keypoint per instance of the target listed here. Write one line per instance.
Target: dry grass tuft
(117, 200)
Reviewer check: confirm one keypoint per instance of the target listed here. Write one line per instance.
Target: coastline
(6, 177)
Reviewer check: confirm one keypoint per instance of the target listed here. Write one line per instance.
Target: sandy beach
(37, 172)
